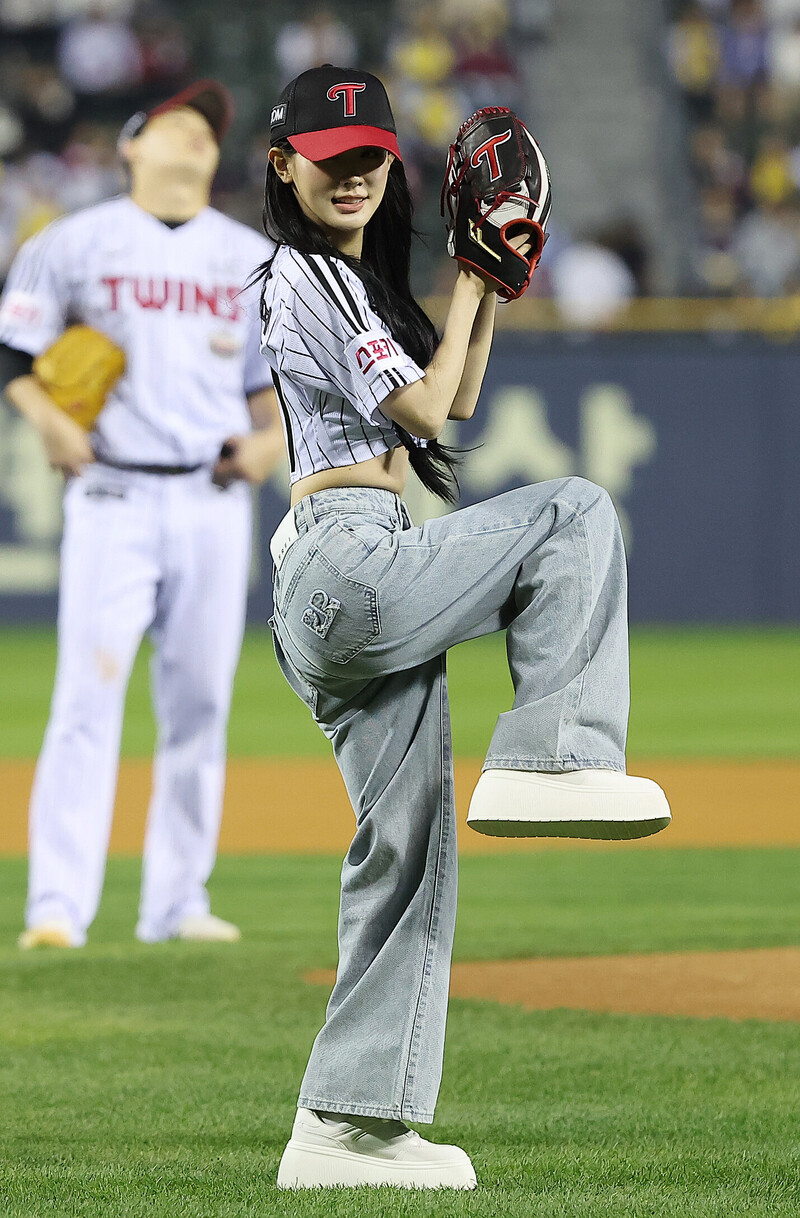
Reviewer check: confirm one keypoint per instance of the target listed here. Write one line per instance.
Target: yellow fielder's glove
(78, 372)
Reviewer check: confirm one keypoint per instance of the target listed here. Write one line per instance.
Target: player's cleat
(578, 803)
(58, 932)
(208, 928)
(348, 1151)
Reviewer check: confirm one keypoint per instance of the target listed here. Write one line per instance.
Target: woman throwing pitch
(366, 606)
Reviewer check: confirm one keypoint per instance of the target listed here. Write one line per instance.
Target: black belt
(150, 469)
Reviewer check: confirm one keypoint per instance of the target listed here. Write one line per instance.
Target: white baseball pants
(168, 555)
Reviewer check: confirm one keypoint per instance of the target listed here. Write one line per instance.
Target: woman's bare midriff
(388, 472)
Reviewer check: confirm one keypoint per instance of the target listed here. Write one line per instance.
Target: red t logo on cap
(349, 90)
(489, 150)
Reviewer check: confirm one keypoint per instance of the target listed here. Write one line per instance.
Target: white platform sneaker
(578, 803)
(325, 1152)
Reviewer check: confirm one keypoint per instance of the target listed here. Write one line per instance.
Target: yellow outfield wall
(299, 806)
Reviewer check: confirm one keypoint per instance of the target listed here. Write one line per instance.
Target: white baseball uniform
(144, 551)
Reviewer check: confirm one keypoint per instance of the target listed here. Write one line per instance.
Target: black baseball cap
(329, 110)
(209, 97)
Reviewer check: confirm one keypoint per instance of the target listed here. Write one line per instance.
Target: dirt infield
(278, 806)
(761, 984)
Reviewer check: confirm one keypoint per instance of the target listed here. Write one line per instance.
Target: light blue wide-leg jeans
(366, 606)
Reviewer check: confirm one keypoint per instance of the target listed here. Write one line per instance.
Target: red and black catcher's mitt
(496, 187)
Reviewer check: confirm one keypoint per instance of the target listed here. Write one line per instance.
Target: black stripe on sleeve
(340, 303)
(287, 421)
(393, 379)
(312, 277)
(348, 295)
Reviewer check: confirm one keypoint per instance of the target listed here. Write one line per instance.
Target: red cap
(318, 145)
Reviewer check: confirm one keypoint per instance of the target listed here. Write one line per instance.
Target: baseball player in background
(157, 513)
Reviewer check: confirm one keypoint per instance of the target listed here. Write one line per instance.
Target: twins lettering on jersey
(347, 90)
(183, 295)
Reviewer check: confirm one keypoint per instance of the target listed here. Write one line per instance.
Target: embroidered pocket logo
(319, 613)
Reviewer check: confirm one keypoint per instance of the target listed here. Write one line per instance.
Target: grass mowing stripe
(510, 906)
(695, 692)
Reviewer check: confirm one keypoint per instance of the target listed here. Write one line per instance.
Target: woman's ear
(124, 149)
(280, 163)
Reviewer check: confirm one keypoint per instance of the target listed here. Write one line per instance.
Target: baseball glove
(78, 372)
(496, 187)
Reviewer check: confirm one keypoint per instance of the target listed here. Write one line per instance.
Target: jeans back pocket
(329, 616)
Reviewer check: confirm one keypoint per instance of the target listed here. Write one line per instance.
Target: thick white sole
(599, 804)
(321, 1167)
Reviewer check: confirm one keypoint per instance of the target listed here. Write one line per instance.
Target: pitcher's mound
(760, 984)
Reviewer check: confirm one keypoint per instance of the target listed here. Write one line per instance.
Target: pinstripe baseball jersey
(334, 362)
(172, 298)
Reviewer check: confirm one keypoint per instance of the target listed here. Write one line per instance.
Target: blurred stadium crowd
(72, 71)
(737, 65)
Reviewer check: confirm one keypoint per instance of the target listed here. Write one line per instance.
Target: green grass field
(695, 693)
(161, 1080)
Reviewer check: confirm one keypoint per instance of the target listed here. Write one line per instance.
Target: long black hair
(384, 269)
